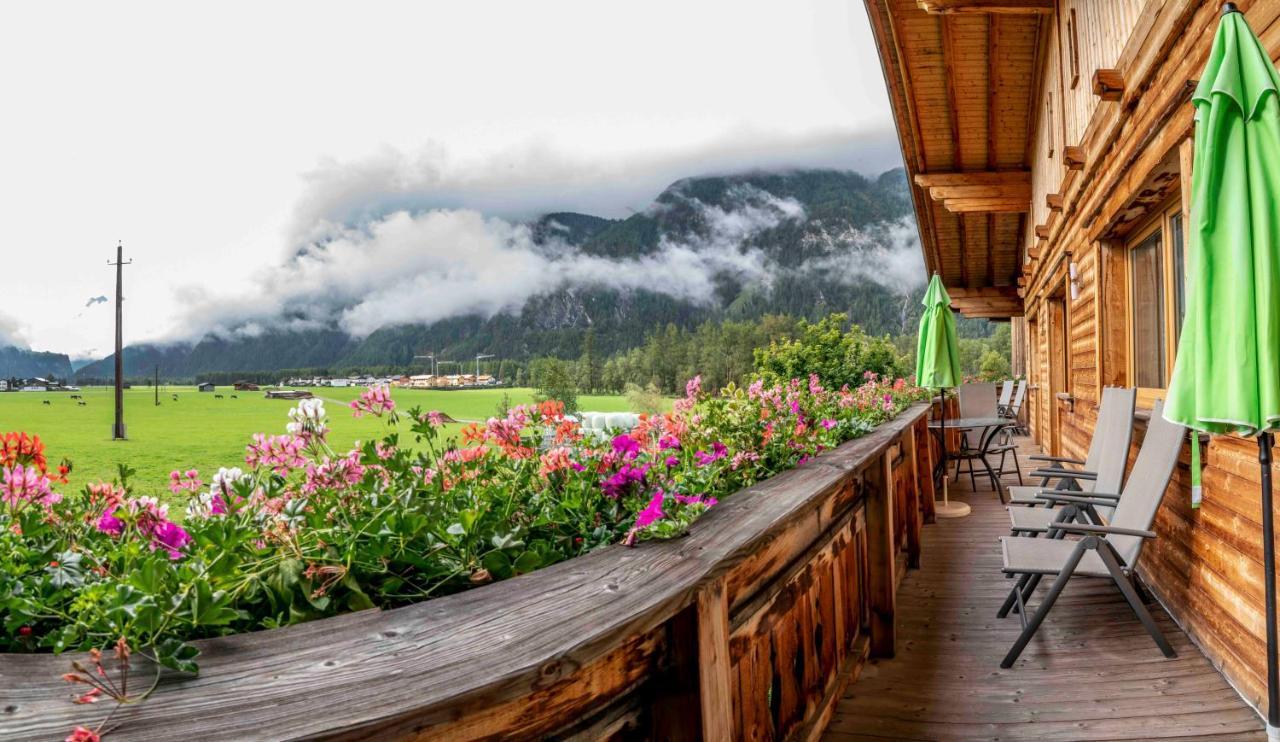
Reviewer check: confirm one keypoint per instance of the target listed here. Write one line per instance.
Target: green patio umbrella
(938, 366)
(1227, 375)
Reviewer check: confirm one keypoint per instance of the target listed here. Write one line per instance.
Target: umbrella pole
(947, 509)
(1269, 566)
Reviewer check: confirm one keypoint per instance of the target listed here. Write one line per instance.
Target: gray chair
(1106, 458)
(1006, 396)
(1109, 550)
(1014, 408)
(1103, 470)
(977, 400)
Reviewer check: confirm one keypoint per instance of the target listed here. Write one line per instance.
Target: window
(1156, 297)
(1073, 49)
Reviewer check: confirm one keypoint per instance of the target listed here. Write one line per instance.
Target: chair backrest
(1109, 450)
(1147, 482)
(977, 400)
(1006, 393)
(1018, 397)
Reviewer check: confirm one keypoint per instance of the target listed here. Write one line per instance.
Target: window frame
(1160, 219)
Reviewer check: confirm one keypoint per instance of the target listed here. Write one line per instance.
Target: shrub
(825, 348)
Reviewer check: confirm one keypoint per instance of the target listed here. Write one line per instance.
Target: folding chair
(1109, 550)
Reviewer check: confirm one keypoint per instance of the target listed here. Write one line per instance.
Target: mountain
(22, 363)
(805, 243)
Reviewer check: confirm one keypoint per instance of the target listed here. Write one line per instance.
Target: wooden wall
(1206, 565)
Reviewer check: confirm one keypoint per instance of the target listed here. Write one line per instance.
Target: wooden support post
(1054, 201)
(1074, 157)
(880, 555)
(1108, 84)
(914, 504)
(714, 681)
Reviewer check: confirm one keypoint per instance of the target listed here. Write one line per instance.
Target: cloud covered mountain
(457, 281)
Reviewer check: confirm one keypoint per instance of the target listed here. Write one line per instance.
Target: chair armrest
(1078, 493)
(1102, 530)
(1053, 496)
(1053, 473)
(1061, 459)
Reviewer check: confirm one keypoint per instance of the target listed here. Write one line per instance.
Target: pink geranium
(376, 400)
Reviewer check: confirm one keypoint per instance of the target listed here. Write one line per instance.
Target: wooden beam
(983, 292)
(1019, 190)
(1042, 231)
(1003, 7)
(1074, 157)
(987, 205)
(1053, 201)
(977, 177)
(1108, 84)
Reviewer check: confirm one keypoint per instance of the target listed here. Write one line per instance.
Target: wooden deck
(1091, 673)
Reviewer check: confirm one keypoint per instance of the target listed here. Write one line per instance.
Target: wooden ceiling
(962, 81)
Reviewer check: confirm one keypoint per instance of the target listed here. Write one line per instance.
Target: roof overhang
(962, 77)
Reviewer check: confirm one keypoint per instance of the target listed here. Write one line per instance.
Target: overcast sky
(211, 141)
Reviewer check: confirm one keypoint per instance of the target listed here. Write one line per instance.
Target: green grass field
(201, 432)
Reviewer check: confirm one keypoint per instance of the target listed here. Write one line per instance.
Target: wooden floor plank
(1091, 673)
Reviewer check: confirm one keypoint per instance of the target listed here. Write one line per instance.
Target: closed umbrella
(938, 367)
(1227, 375)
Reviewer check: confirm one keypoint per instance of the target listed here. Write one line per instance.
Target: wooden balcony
(1091, 673)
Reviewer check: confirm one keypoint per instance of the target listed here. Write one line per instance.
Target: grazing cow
(217, 396)
(234, 397)
(175, 398)
(82, 403)
(47, 402)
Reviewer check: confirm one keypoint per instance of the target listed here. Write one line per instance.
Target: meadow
(199, 431)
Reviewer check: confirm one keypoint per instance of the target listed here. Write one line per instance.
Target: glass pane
(1179, 274)
(1146, 297)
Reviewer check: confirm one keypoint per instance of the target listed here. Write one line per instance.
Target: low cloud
(885, 252)
(533, 179)
(421, 268)
(12, 333)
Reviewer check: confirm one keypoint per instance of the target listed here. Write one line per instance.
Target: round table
(990, 426)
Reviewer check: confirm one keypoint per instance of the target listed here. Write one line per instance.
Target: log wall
(749, 628)
(1206, 565)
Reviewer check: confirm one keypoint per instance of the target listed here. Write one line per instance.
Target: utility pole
(431, 357)
(156, 385)
(117, 430)
(478, 357)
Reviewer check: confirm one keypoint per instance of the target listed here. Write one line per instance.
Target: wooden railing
(749, 628)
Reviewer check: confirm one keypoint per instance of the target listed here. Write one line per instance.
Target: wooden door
(1059, 351)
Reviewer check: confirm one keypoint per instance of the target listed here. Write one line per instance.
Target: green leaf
(528, 562)
(64, 571)
(178, 655)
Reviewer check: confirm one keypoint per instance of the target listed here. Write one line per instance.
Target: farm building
(205, 387)
(1049, 149)
(245, 386)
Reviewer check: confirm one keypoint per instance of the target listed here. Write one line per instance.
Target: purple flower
(672, 462)
(652, 512)
(617, 485)
(109, 523)
(829, 423)
(626, 446)
(718, 451)
(668, 442)
(170, 537)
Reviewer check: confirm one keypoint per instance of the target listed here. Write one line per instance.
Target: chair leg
(1135, 602)
(1046, 605)
(1017, 465)
(1013, 595)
